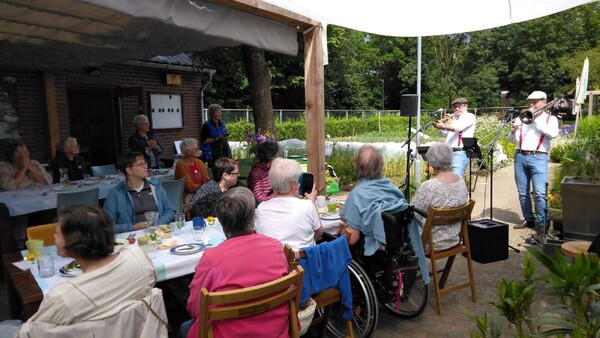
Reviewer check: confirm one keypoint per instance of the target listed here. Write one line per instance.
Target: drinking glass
(198, 228)
(45, 265)
(331, 206)
(151, 222)
(180, 220)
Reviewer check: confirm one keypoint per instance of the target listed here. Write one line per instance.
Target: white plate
(61, 188)
(66, 271)
(187, 249)
(333, 216)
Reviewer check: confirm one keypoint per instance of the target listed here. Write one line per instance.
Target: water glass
(198, 228)
(180, 220)
(151, 249)
(46, 265)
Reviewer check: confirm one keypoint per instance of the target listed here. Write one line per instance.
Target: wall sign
(166, 111)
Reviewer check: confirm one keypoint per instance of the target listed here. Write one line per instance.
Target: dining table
(26, 289)
(27, 201)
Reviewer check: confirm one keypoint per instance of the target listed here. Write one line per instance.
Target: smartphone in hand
(306, 181)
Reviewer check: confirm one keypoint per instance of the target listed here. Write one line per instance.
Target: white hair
(283, 171)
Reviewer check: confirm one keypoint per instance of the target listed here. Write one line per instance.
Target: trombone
(527, 116)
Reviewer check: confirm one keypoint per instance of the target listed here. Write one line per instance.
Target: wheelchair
(390, 277)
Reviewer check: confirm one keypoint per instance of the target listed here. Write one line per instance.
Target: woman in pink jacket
(244, 259)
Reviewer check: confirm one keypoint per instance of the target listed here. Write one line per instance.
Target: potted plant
(580, 190)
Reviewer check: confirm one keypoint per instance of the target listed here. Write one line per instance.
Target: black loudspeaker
(408, 104)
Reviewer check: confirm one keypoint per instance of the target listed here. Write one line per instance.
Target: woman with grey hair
(144, 141)
(191, 168)
(213, 136)
(245, 259)
(286, 216)
(445, 190)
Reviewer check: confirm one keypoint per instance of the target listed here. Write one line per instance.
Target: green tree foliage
(542, 54)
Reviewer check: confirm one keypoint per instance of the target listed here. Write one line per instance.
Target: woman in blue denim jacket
(129, 200)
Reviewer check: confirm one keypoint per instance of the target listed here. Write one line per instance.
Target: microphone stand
(409, 155)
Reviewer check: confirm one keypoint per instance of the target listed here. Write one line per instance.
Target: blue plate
(187, 249)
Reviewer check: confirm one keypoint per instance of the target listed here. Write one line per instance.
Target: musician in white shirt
(531, 159)
(455, 126)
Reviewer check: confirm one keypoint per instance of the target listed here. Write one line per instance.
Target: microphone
(433, 113)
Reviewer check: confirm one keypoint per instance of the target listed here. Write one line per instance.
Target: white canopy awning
(71, 34)
(424, 17)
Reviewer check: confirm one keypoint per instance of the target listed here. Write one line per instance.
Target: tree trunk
(259, 78)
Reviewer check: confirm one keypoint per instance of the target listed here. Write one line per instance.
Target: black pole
(408, 153)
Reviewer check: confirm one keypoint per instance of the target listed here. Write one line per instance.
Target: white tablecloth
(168, 266)
(27, 201)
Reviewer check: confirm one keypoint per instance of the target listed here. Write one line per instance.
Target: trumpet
(527, 116)
(447, 119)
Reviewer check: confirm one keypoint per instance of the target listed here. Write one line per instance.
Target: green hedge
(333, 127)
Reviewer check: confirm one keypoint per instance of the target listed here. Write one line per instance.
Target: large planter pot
(581, 206)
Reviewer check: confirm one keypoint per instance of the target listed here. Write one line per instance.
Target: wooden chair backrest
(441, 217)
(45, 232)
(251, 301)
(293, 255)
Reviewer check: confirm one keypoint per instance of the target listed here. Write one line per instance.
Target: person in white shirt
(531, 160)
(459, 124)
(286, 216)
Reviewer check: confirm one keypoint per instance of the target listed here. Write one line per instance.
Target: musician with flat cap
(455, 126)
(532, 132)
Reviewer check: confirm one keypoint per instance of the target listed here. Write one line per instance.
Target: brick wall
(33, 118)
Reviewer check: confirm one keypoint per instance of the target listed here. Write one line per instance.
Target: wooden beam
(52, 111)
(275, 13)
(314, 76)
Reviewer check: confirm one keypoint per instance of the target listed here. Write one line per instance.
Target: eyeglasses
(234, 173)
(141, 163)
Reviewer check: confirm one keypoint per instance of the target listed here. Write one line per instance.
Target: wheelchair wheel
(412, 303)
(365, 312)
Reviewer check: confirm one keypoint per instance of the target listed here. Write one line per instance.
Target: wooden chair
(251, 301)
(324, 299)
(45, 232)
(441, 217)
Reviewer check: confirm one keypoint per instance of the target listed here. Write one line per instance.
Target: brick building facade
(108, 113)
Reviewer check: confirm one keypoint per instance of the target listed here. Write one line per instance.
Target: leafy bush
(575, 311)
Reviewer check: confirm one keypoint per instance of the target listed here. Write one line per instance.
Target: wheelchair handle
(418, 211)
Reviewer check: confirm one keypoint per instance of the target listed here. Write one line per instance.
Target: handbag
(305, 316)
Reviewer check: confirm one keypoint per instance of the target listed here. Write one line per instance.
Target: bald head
(369, 163)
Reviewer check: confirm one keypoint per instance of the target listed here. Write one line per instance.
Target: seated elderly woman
(286, 216)
(68, 158)
(191, 167)
(258, 179)
(110, 282)
(225, 176)
(20, 172)
(445, 190)
(129, 200)
(372, 195)
(232, 265)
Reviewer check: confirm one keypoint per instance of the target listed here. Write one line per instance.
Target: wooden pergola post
(50, 90)
(315, 104)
